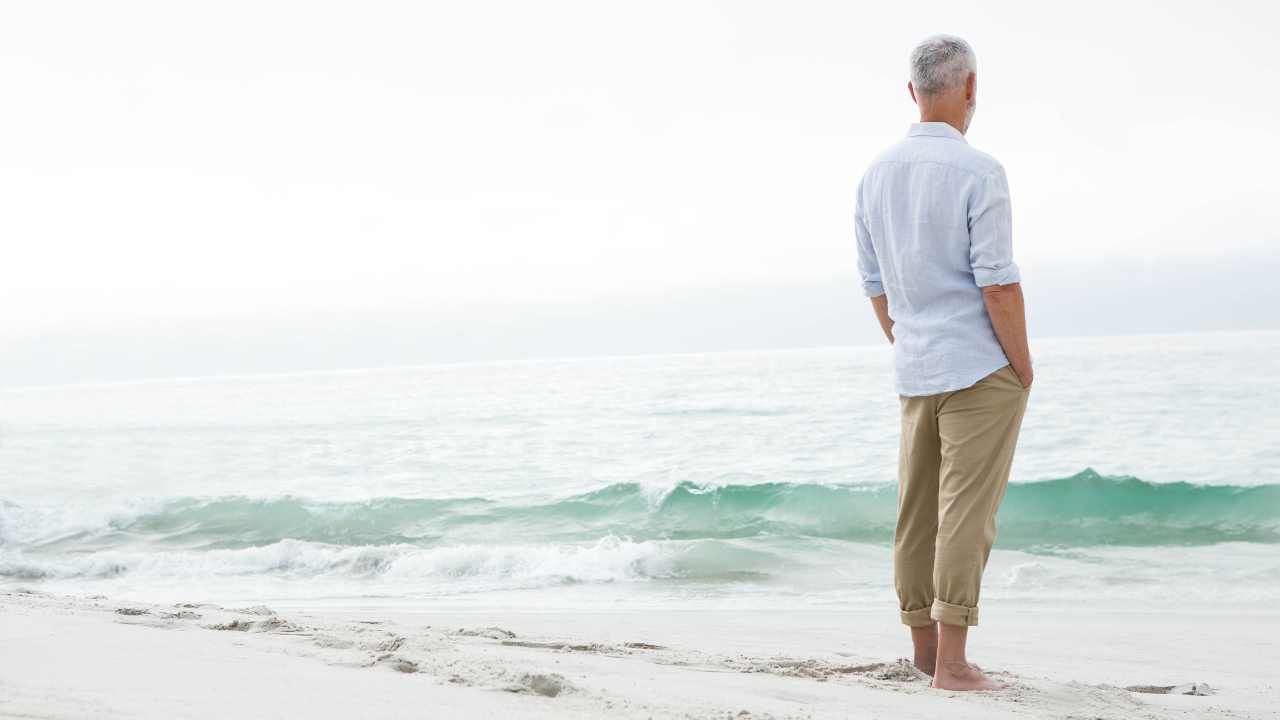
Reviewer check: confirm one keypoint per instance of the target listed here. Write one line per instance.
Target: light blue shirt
(934, 226)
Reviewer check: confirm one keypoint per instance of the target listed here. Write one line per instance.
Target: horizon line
(535, 360)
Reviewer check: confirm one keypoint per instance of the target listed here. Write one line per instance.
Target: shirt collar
(935, 129)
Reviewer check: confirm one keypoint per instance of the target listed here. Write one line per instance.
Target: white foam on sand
(92, 656)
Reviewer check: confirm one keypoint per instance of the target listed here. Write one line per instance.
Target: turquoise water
(1080, 511)
(746, 477)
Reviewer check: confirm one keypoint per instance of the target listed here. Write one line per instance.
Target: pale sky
(175, 161)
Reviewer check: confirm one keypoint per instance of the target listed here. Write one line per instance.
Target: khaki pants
(953, 466)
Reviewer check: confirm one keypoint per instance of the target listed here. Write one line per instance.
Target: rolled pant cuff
(917, 617)
(945, 612)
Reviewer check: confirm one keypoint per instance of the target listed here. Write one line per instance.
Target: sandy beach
(73, 657)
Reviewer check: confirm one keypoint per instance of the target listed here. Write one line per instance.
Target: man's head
(944, 80)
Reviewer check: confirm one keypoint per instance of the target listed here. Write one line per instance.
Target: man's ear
(971, 86)
(912, 91)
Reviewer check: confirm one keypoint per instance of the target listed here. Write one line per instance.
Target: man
(935, 255)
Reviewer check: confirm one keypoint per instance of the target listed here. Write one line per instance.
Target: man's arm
(1008, 318)
(869, 269)
(991, 256)
(880, 304)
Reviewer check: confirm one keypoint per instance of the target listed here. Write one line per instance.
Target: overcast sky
(180, 162)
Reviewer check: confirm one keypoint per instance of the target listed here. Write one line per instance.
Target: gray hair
(941, 62)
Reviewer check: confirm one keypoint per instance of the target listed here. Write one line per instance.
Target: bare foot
(957, 675)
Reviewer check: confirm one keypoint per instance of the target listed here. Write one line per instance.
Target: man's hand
(1008, 319)
(1025, 374)
(880, 304)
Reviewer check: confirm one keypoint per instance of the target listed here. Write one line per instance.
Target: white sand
(66, 657)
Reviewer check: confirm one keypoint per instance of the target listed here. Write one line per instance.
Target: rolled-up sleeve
(991, 232)
(868, 264)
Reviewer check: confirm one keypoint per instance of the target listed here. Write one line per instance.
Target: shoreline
(75, 656)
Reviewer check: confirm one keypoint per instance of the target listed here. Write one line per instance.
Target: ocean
(1148, 469)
